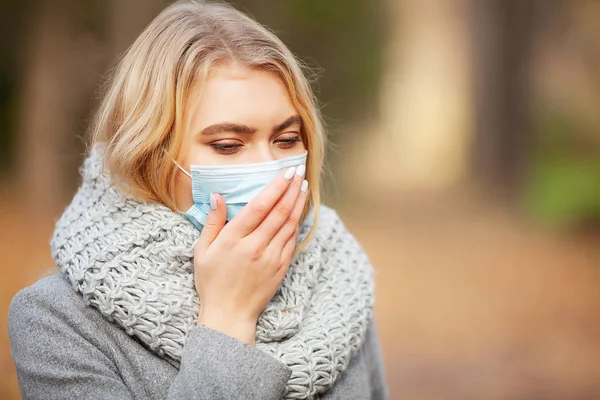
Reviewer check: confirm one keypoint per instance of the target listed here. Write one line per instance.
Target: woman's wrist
(238, 326)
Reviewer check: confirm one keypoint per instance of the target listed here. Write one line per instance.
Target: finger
(214, 222)
(286, 256)
(281, 212)
(256, 210)
(292, 221)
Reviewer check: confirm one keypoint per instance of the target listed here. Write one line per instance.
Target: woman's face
(242, 116)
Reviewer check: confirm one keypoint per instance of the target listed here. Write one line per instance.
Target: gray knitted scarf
(133, 261)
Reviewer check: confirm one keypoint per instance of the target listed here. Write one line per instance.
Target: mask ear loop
(178, 165)
(182, 170)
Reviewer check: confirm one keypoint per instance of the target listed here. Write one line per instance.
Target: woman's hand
(239, 266)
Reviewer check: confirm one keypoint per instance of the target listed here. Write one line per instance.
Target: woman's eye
(288, 142)
(226, 148)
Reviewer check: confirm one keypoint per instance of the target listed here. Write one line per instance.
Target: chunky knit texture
(133, 261)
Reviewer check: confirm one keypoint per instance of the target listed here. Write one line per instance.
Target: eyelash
(290, 142)
(228, 149)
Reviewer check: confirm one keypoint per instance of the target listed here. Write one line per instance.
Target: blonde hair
(143, 108)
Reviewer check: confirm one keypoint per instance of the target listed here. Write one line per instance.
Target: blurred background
(465, 156)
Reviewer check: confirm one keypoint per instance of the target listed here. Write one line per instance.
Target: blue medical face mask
(237, 184)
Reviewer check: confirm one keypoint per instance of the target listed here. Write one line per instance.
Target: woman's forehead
(236, 94)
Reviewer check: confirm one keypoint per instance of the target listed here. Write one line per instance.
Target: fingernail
(301, 170)
(304, 186)
(213, 202)
(289, 173)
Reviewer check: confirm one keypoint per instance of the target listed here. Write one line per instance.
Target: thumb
(214, 222)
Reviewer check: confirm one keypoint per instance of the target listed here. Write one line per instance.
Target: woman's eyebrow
(293, 120)
(227, 127)
(244, 129)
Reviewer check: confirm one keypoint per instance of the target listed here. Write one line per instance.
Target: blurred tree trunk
(502, 32)
(420, 140)
(70, 44)
(62, 68)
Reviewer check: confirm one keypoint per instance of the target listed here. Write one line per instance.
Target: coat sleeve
(227, 368)
(375, 365)
(54, 360)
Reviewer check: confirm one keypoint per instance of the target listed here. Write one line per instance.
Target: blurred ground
(472, 302)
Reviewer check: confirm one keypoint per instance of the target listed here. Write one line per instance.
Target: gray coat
(64, 349)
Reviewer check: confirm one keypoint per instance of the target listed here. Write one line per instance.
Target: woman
(197, 237)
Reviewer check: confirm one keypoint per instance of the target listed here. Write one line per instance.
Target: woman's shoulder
(53, 288)
(51, 298)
